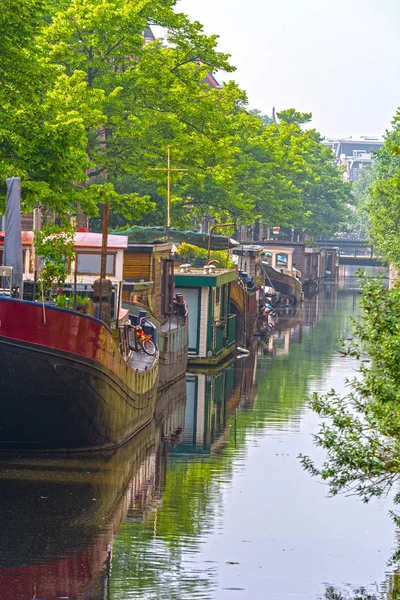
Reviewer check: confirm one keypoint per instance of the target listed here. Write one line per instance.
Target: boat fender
(242, 350)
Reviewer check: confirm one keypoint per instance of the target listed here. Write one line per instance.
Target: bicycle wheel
(148, 346)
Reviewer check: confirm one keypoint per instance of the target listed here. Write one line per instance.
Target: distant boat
(287, 285)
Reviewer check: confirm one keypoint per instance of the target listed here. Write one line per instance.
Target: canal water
(210, 501)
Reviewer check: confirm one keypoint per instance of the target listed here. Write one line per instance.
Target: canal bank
(219, 506)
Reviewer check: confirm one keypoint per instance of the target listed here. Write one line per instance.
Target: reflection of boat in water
(283, 283)
(60, 516)
(212, 397)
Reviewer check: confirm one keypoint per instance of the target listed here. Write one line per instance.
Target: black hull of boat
(52, 400)
(284, 284)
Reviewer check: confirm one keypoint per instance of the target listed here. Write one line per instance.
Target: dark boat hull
(75, 394)
(284, 284)
(244, 306)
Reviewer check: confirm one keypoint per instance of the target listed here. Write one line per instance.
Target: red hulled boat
(65, 383)
(67, 380)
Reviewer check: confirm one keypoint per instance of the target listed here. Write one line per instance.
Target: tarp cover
(149, 235)
(12, 255)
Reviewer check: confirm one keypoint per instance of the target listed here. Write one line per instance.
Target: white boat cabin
(87, 259)
(280, 258)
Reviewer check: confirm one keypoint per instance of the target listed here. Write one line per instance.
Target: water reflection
(59, 516)
(210, 501)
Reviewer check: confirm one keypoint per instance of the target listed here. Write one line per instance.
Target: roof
(266, 245)
(93, 240)
(212, 82)
(198, 278)
(83, 239)
(248, 250)
(351, 140)
(156, 247)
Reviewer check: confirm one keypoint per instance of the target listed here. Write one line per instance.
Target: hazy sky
(339, 59)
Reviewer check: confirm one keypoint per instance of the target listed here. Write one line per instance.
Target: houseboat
(332, 264)
(71, 381)
(281, 273)
(149, 290)
(314, 269)
(207, 293)
(245, 291)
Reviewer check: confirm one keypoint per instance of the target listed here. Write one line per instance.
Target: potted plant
(81, 303)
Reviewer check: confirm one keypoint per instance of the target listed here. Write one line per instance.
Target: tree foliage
(361, 194)
(384, 206)
(361, 431)
(55, 246)
(88, 109)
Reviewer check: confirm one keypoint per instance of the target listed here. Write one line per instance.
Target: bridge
(354, 252)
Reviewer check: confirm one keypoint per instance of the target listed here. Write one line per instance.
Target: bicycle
(143, 340)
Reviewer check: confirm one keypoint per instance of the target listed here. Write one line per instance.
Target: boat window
(267, 257)
(282, 260)
(88, 263)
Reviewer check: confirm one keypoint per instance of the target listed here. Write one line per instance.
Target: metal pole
(104, 243)
(75, 279)
(215, 226)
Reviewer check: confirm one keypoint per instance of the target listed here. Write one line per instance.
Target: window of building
(88, 263)
(282, 260)
(217, 295)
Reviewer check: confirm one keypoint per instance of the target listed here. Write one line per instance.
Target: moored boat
(245, 291)
(69, 381)
(65, 383)
(287, 285)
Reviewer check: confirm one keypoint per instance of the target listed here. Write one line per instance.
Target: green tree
(361, 431)
(43, 112)
(362, 199)
(384, 207)
(292, 117)
(55, 246)
(153, 96)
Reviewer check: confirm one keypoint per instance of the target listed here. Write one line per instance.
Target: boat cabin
(87, 260)
(284, 255)
(148, 274)
(281, 259)
(332, 263)
(207, 294)
(148, 290)
(85, 268)
(315, 265)
(249, 259)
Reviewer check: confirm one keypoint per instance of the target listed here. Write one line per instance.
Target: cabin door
(192, 299)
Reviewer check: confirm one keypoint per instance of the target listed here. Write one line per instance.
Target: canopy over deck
(148, 235)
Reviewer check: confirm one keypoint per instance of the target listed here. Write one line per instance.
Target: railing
(231, 330)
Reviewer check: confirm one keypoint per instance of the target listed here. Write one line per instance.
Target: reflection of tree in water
(155, 557)
(389, 591)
